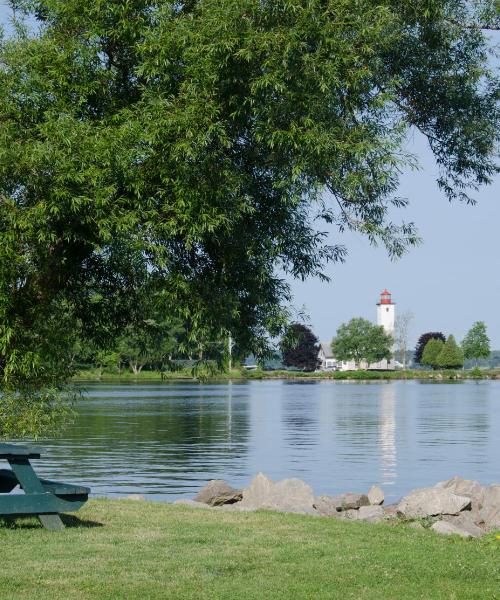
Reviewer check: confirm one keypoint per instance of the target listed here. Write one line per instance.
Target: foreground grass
(125, 549)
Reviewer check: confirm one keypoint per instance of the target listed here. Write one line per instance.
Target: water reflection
(387, 434)
(165, 441)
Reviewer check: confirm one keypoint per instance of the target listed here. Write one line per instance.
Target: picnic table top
(13, 450)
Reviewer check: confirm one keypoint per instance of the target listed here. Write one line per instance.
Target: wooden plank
(8, 450)
(8, 482)
(39, 504)
(51, 522)
(64, 489)
(29, 504)
(25, 474)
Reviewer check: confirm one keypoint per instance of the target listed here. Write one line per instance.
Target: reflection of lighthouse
(386, 316)
(387, 434)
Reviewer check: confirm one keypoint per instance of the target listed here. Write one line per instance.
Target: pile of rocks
(457, 506)
(364, 507)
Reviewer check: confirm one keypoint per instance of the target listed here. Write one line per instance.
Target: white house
(386, 316)
(325, 356)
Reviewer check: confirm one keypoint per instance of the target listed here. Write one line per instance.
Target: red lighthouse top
(385, 297)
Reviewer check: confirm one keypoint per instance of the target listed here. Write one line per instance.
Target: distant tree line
(358, 340)
(153, 341)
(436, 351)
(365, 344)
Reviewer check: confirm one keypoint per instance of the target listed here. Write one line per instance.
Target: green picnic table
(42, 498)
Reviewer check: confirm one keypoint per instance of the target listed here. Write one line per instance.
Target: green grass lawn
(92, 375)
(128, 549)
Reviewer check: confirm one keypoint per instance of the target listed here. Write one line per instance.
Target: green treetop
(431, 352)
(451, 355)
(186, 147)
(476, 343)
(359, 340)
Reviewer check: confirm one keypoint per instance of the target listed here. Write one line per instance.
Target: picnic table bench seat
(42, 497)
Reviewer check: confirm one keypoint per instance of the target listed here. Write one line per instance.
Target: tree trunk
(136, 368)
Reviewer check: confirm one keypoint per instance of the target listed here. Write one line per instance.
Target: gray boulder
(327, 506)
(428, 502)
(489, 512)
(350, 500)
(372, 514)
(447, 528)
(464, 487)
(465, 521)
(218, 492)
(289, 495)
(350, 515)
(392, 511)
(376, 495)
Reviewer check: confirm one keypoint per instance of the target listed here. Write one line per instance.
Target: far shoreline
(92, 376)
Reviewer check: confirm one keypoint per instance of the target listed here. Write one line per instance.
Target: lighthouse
(386, 313)
(386, 316)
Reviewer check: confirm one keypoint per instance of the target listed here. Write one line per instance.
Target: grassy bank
(157, 376)
(126, 549)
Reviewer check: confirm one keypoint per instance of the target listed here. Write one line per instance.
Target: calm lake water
(165, 441)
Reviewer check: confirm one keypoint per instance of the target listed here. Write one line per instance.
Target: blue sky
(450, 281)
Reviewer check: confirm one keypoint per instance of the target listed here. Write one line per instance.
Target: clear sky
(450, 281)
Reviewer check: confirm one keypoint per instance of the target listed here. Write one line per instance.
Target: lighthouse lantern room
(385, 297)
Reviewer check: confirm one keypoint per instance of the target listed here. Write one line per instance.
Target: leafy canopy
(451, 355)
(431, 353)
(476, 343)
(423, 340)
(359, 340)
(193, 149)
(299, 347)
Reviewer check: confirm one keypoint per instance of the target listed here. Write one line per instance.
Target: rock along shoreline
(456, 506)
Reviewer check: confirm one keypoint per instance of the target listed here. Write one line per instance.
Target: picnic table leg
(31, 485)
(52, 522)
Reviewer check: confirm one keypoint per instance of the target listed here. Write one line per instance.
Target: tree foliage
(431, 353)
(476, 343)
(193, 148)
(423, 341)
(299, 347)
(359, 340)
(148, 343)
(451, 355)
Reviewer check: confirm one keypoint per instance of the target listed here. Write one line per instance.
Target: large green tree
(451, 355)
(423, 340)
(194, 146)
(359, 340)
(476, 343)
(431, 353)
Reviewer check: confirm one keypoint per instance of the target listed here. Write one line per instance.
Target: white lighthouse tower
(386, 316)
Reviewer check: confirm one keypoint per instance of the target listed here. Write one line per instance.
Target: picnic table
(42, 498)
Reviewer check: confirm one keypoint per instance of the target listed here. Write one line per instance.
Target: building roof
(326, 347)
